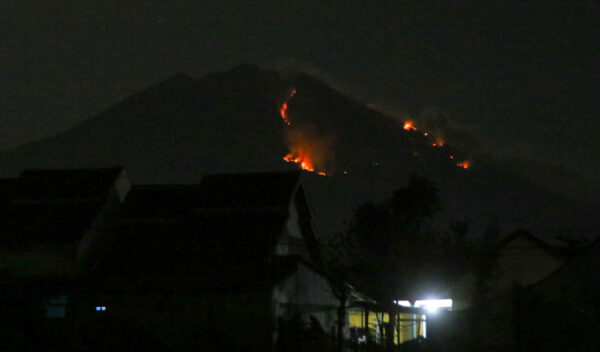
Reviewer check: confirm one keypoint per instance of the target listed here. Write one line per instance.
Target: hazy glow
(464, 164)
(307, 148)
(432, 305)
(409, 125)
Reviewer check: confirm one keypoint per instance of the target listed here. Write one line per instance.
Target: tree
(384, 247)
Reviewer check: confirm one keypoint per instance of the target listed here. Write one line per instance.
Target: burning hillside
(230, 122)
(311, 151)
(409, 125)
(438, 142)
(284, 107)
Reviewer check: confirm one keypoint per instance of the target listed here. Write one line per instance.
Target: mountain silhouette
(183, 128)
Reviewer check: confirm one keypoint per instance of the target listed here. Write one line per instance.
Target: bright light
(403, 303)
(100, 308)
(432, 305)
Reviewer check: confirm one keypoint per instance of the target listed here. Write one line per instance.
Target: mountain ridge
(183, 127)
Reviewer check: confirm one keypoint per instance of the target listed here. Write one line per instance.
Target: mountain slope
(182, 128)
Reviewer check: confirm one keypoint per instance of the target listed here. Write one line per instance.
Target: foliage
(384, 245)
(384, 248)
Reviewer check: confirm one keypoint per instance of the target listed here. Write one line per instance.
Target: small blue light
(103, 308)
(100, 308)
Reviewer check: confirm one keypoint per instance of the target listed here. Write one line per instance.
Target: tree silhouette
(384, 248)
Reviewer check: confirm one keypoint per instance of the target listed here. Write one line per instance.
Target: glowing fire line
(409, 125)
(300, 158)
(284, 107)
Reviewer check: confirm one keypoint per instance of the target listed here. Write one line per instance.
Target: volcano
(247, 119)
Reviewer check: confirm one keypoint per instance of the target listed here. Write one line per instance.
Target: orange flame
(305, 148)
(304, 162)
(465, 164)
(284, 114)
(409, 125)
(284, 107)
(438, 143)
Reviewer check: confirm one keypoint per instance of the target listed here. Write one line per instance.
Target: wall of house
(47, 260)
(293, 239)
(409, 325)
(306, 293)
(179, 321)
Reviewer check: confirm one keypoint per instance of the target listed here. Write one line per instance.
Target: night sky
(519, 77)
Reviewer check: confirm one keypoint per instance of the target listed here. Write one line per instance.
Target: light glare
(432, 305)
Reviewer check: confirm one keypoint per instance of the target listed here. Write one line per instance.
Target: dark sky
(522, 76)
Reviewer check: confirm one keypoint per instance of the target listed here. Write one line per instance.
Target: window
(56, 307)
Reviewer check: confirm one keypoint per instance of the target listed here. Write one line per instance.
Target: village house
(539, 295)
(520, 259)
(53, 224)
(228, 262)
(241, 246)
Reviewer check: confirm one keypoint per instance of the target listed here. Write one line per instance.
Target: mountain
(183, 128)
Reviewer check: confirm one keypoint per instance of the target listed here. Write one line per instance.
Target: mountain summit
(248, 119)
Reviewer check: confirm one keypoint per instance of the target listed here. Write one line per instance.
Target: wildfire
(306, 148)
(438, 143)
(304, 164)
(284, 107)
(409, 125)
(464, 164)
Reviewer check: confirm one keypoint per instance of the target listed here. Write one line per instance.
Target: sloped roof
(159, 202)
(229, 223)
(250, 190)
(54, 206)
(558, 249)
(580, 274)
(65, 184)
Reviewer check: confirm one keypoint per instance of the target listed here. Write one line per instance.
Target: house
(367, 320)
(561, 311)
(228, 261)
(520, 259)
(51, 219)
(52, 225)
(541, 296)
